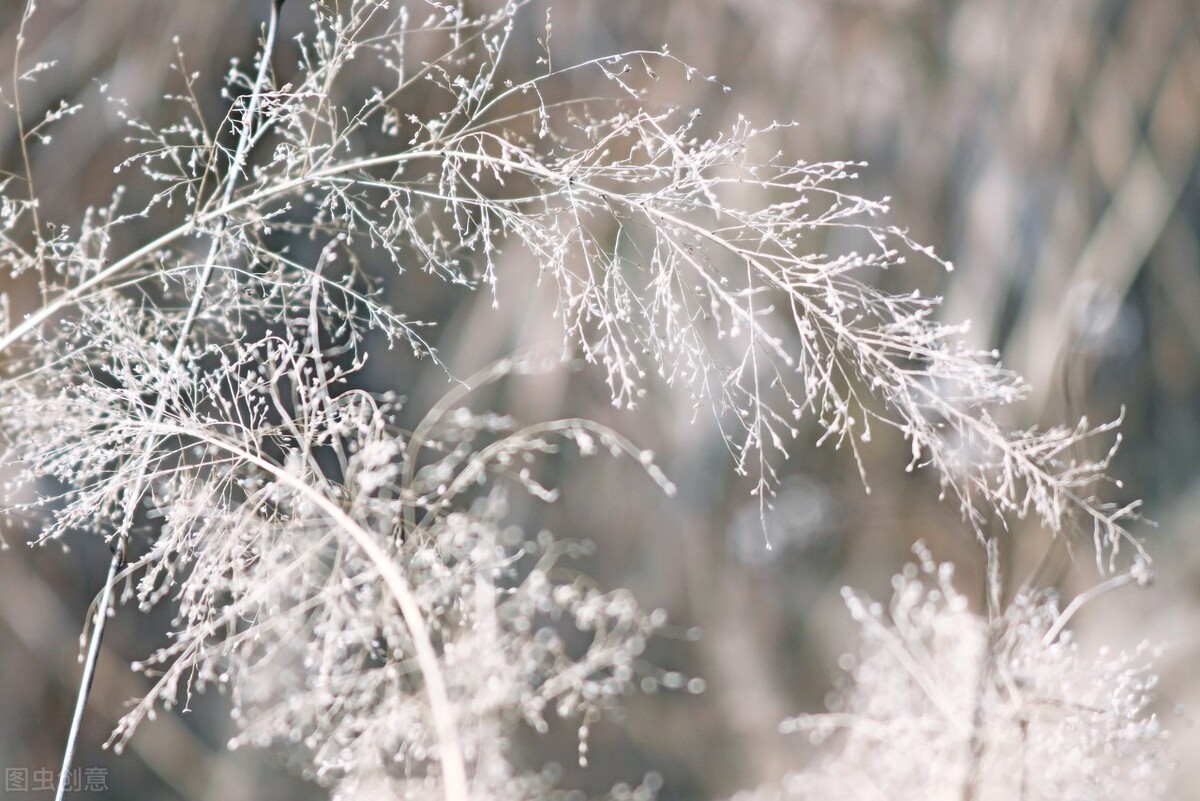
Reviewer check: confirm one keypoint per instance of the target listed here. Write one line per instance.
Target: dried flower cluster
(194, 400)
(942, 703)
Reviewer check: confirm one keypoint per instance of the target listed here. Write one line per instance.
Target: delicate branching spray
(355, 586)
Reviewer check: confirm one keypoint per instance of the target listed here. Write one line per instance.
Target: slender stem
(89, 666)
(120, 545)
(977, 744)
(1078, 603)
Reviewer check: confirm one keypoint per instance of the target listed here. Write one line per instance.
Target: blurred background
(1051, 150)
